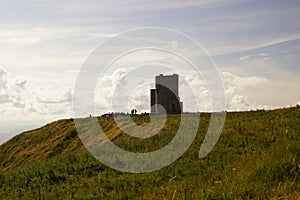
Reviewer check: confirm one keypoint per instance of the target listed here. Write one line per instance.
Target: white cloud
(54, 95)
(93, 6)
(238, 91)
(236, 47)
(251, 92)
(3, 82)
(243, 82)
(254, 58)
(3, 87)
(238, 103)
(25, 40)
(242, 93)
(140, 98)
(21, 98)
(106, 88)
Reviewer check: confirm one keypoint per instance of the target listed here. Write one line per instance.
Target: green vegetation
(256, 157)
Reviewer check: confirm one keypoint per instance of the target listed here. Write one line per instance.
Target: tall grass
(256, 157)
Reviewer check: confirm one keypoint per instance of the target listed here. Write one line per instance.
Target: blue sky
(256, 45)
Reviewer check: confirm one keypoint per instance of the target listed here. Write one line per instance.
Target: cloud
(25, 40)
(254, 58)
(249, 92)
(4, 98)
(50, 9)
(19, 97)
(243, 82)
(22, 99)
(242, 93)
(252, 45)
(238, 91)
(140, 99)
(53, 95)
(3, 82)
(107, 86)
(238, 103)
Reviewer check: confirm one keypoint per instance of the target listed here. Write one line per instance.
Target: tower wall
(166, 94)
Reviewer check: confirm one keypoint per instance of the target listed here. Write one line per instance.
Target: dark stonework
(166, 95)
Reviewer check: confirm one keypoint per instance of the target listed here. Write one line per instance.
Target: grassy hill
(256, 157)
(59, 137)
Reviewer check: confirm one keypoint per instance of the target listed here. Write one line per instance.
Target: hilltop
(257, 156)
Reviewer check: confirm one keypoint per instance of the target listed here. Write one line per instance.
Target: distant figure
(133, 111)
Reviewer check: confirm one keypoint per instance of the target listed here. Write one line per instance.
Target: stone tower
(166, 94)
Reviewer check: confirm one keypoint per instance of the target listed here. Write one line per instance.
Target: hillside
(55, 138)
(256, 157)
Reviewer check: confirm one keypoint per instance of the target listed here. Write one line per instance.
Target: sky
(43, 45)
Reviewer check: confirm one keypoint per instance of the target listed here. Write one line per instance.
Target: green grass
(256, 157)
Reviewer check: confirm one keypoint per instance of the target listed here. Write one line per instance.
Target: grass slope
(256, 157)
(59, 137)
